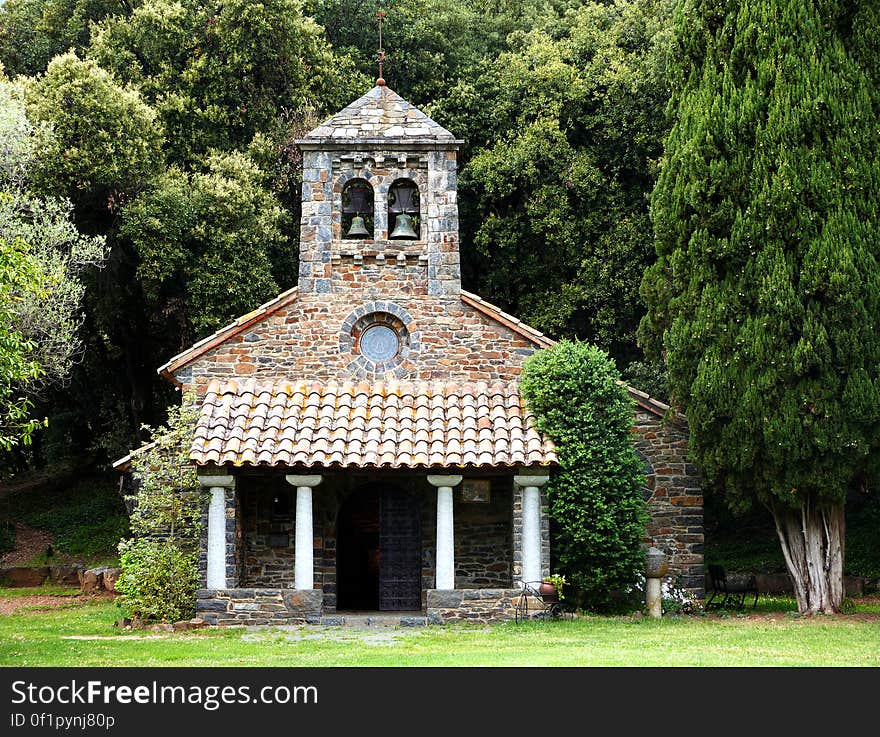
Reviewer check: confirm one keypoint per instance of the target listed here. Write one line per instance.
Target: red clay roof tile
(398, 424)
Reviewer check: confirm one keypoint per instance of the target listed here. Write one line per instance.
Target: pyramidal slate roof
(380, 114)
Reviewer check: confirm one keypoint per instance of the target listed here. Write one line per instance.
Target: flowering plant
(558, 580)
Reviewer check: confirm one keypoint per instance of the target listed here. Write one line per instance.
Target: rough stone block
(444, 599)
(210, 605)
(24, 576)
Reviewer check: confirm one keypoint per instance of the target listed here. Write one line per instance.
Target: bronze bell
(358, 228)
(403, 228)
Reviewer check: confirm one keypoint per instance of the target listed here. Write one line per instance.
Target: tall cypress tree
(765, 298)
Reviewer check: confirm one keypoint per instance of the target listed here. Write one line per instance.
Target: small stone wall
(229, 607)
(479, 606)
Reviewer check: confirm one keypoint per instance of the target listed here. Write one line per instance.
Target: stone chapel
(362, 435)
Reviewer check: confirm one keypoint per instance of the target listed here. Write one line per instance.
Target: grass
(48, 589)
(83, 635)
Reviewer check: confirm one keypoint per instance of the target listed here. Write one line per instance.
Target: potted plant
(551, 588)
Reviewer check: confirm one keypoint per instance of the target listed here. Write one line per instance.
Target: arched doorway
(378, 561)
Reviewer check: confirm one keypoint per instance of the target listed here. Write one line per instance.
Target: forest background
(149, 145)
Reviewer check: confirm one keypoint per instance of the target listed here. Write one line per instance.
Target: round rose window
(379, 343)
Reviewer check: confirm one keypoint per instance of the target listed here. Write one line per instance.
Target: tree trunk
(812, 539)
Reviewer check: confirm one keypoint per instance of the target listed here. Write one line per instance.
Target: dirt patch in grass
(29, 543)
(43, 602)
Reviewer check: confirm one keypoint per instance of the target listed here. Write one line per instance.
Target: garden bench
(729, 593)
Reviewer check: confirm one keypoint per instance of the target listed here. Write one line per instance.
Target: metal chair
(729, 593)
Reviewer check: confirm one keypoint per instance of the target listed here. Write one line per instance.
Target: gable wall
(310, 339)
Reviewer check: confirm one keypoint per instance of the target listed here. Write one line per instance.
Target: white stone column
(304, 534)
(531, 525)
(445, 563)
(216, 577)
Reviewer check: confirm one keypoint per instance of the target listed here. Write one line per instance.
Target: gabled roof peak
(380, 114)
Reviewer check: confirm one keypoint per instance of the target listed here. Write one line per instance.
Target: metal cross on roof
(380, 81)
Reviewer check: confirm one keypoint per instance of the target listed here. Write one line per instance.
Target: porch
(344, 545)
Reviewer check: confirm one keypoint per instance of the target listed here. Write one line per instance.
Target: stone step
(373, 620)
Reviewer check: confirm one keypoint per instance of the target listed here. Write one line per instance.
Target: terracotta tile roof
(367, 425)
(379, 114)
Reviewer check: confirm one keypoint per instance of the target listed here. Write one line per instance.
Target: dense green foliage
(169, 126)
(559, 188)
(766, 290)
(220, 72)
(596, 498)
(160, 560)
(32, 32)
(158, 582)
(101, 141)
(20, 278)
(198, 234)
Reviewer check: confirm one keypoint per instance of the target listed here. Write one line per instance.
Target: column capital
(298, 481)
(212, 480)
(449, 481)
(524, 478)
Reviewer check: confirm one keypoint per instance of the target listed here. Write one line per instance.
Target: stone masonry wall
(476, 606)
(432, 168)
(483, 540)
(304, 340)
(225, 607)
(674, 498)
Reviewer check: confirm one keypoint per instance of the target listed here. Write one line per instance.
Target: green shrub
(158, 579)
(596, 499)
(160, 561)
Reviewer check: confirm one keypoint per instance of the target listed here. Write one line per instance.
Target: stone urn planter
(548, 592)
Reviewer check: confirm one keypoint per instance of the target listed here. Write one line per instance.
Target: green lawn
(81, 634)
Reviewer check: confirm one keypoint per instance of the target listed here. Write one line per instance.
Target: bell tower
(379, 202)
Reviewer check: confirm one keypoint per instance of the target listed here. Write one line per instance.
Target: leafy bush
(596, 500)
(158, 579)
(160, 561)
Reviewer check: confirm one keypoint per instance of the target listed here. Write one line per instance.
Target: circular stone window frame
(369, 315)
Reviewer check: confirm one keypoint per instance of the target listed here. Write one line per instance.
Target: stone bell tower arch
(404, 165)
